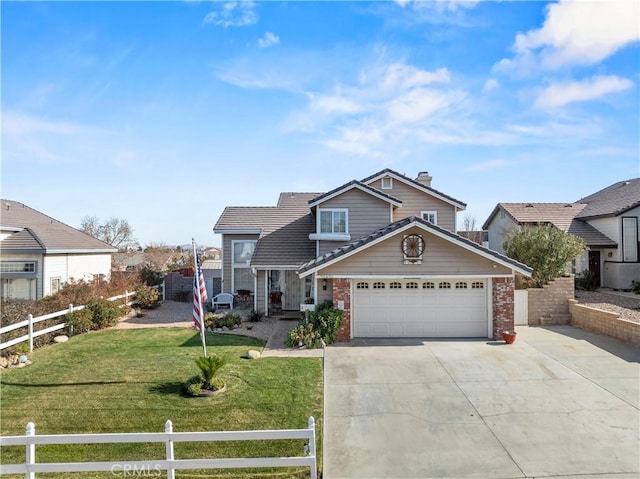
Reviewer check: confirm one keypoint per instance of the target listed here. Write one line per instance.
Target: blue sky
(163, 113)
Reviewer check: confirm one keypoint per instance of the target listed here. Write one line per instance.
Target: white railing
(30, 321)
(170, 464)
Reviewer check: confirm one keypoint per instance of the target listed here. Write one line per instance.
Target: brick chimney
(424, 178)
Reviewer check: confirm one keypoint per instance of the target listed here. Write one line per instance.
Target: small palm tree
(209, 367)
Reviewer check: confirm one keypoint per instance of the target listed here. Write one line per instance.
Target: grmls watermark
(133, 470)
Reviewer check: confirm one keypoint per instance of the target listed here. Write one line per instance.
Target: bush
(193, 386)
(79, 322)
(147, 297)
(209, 367)
(586, 281)
(151, 277)
(255, 316)
(231, 320)
(105, 313)
(323, 324)
(635, 287)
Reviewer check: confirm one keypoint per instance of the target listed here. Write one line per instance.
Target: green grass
(130, 381)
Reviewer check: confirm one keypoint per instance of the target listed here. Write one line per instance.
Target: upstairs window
(18, 267)
(241, 278)
(333, 221)
(387, 183)
(430, 216)
(630, 239)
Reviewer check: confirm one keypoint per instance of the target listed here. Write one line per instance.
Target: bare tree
(116, 231)
(470, 231)
(158, 256)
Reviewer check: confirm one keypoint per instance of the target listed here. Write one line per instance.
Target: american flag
(199, 296)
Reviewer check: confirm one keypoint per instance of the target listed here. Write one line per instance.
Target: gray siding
(226, 258)
(366, 214)
(440, 258)
(498, 230)
(415, 201)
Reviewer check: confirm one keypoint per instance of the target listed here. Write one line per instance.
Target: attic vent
(528, 205)
(568, 205)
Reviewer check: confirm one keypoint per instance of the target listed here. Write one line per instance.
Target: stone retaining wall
(550, 300)
(603, 322)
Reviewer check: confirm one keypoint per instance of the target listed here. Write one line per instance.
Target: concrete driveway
(558, 402)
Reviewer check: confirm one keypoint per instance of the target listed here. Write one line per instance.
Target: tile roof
(612, 200)
(414, 183)
(356, 184)
(43, 233)
(393, 227)
(558, 214)
(590, 235)
(265, 219)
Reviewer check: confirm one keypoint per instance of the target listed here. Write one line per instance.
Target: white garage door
(420, 308)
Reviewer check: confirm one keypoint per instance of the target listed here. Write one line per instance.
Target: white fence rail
(170, 464)
(30, 321)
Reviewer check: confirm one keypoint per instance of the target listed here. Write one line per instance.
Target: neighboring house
(383, 249)
(607, 221)
(38, 254)
(129, 261)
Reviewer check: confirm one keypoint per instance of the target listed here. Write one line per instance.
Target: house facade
(607, 221)
(383, 249)
(38, 254)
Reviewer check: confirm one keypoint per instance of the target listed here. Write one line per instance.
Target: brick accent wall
(503, 303)
(603, 322)
(551, 299)
(342, 292)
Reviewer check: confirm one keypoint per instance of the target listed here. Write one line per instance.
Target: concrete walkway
(275, 346)
(559, 402)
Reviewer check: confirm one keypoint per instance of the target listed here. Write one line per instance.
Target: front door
(291, 298)
(594, 265)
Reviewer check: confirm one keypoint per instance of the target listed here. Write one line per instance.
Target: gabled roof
(591, 236)
(558, 214)
(612, 200)
(264, 219)
(402, 225)
(358, 185)
(416, 184)
(36, 231)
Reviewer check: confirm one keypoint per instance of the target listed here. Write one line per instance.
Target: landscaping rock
(61, 339)
(253, 354)
(4, 362)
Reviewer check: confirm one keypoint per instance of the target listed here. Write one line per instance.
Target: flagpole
(196, 291)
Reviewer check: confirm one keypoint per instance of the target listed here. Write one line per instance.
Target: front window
(333, 221)
(242, 251)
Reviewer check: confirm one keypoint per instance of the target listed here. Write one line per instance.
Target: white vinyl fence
(31, 321)
(521, 307)
(170, 464)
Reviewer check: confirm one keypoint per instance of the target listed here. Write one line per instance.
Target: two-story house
(383, 249)
(38, 254)
(607, 221)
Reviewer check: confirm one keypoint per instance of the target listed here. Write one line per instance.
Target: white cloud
(490, 84)
(576, 33)
(488, 165)
(269, 39)
(234, 14)
(561, 94)
(333, 104)
(17, 124)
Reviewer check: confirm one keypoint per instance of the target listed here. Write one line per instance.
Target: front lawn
(130, 380)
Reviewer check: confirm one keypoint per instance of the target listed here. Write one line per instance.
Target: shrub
(322, 324)
(586, 281)
(104, 313)
(150, 277)
(635, 287)
(209, 367)
(79, 322)
(255, 316)
(147, 297)
(193, 386)
(231, 320)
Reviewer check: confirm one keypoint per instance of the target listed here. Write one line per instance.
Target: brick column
(503, 304)
(342, 292)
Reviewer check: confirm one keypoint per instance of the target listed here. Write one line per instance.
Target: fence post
(126, 297)
(312, 447)
(31, 451)
(30, 329)
(168, 428)
(163, 290)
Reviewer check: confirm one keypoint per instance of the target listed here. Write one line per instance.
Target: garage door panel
(421, 312)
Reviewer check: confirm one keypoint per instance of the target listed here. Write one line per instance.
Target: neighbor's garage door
(425, 308)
